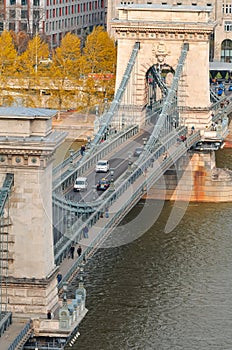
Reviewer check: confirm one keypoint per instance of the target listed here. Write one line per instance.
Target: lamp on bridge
(94, 192)
(71, 151)
(112, 187)
(123, 121)
(88, 142)
(151, 100)
(129, 169)
(65, 289)
(105, 105)
(96, 110)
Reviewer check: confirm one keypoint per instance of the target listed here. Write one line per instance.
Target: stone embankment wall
(196, 179)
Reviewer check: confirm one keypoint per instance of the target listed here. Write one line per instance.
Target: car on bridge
(103, 184)
(102, 166)
(138, 151)
(80, 184)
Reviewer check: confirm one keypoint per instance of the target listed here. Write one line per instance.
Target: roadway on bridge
(118, 163)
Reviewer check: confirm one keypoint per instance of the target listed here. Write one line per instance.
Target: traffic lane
(118, 165)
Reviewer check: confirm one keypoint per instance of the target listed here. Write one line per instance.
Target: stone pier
(27, 147)
(195, 179)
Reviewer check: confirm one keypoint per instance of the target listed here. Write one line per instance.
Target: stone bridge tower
(27, 146)
(161, 31)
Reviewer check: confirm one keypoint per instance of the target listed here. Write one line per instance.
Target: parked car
(102, 166)
(80, 184)
(230, 88)
(138, 151)
(103, 184)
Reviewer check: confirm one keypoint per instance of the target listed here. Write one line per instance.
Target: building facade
(221, 14)
(52, 18)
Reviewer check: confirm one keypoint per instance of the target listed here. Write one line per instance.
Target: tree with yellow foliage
(8, 55)
(100, 59)
(8, 58)
(30, 71)
(100, 52)
(29, 59)
(64, 71)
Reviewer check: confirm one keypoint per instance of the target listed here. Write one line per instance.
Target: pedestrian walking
(82, 150)
(72, 250)
(59, 277)
(165, 155)
(86, 232)
(107, 213)
(79, 250)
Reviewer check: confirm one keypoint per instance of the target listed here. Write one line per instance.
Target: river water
(164, 291)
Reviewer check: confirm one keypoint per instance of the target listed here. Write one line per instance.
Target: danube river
(164, 291)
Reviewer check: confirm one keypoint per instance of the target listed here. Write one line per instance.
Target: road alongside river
(164, 291)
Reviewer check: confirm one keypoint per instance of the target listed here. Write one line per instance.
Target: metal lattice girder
(4, 191)
(106, 120)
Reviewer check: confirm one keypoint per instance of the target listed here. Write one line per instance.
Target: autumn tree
(100, 52)
(100, 58)
(30, 71)
(64, 71)
(8, 57)
(35, 52)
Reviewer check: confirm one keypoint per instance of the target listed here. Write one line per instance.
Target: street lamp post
(144, 141)
(65, 289)
(129, 169)
(112, 186)
(71, 151)
(94, 192)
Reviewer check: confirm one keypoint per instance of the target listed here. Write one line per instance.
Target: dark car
(138, 151)
(103, 184)
(230, 88)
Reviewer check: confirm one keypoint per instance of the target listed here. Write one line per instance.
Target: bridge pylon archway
(162, 31)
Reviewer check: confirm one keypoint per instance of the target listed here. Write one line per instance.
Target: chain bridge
(156, 107)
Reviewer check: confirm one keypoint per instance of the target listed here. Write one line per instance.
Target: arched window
(226, 51)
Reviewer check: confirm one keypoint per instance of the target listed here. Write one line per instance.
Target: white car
(102, 166)
(80, 184)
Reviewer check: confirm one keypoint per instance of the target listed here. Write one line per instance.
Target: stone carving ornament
(160, 51)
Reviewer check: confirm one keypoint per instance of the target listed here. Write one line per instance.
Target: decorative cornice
(164, 28)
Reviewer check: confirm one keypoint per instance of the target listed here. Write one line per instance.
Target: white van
(102, 166)
(80, 184)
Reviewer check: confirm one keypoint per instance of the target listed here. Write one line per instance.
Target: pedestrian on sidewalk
(82, 150)
(59, 277)
(165, 155)
(86, 232)
(79, 250)
(72, 250)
